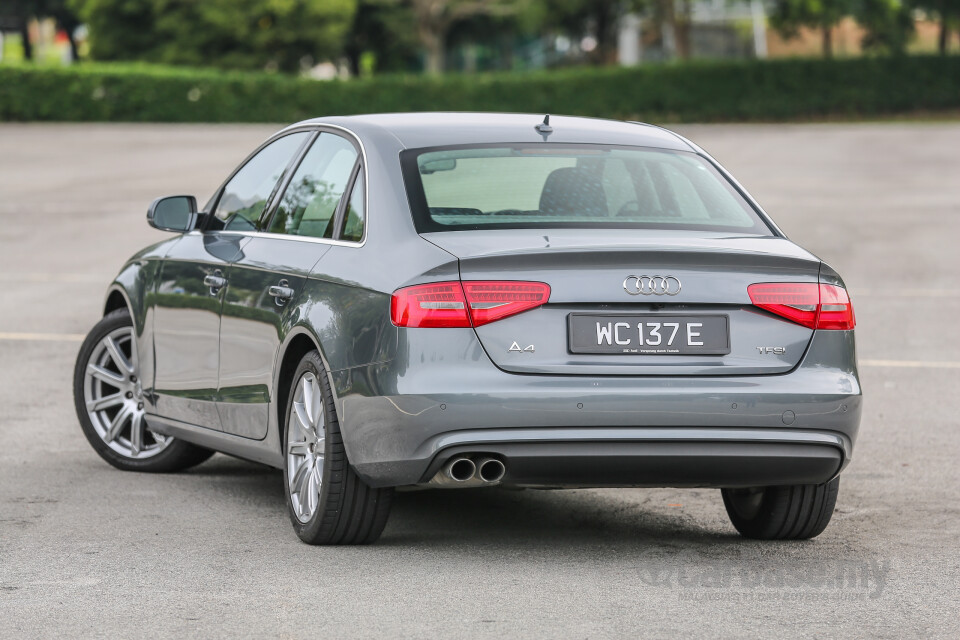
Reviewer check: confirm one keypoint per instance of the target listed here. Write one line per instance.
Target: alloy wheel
(306, 434)
(113, 396)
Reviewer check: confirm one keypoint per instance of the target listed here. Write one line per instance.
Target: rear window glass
(579, 186)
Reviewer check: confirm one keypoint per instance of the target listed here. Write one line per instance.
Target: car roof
(417, 130)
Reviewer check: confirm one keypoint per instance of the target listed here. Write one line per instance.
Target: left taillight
(470, 303)
(813, 305)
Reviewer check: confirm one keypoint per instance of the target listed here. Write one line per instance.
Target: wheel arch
(127, 294)
(130, 289)
(299, 342)
(116, 298)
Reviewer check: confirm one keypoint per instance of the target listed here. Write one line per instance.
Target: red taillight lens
(455, 304)
(818, 306)
(836, 310)
(440, 304)
(491, 301)
(796, 302)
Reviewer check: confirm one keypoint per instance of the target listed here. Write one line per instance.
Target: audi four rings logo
(651, 285)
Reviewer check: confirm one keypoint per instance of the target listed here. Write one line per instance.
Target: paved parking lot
(89, 551)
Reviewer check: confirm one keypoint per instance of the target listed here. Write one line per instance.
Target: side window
(309, 205)
(249, 190)
(355, 216)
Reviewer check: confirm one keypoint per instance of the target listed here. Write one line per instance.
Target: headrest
(573, 191)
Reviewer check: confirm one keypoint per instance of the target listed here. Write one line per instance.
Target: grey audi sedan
(477, 300)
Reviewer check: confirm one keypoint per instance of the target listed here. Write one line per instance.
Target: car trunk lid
(589, 272)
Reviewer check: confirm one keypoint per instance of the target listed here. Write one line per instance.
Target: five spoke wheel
(306, 439)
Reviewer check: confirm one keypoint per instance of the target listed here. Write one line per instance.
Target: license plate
(649, 334)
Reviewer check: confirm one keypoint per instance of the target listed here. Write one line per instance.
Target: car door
(262, 303)
(193, 282)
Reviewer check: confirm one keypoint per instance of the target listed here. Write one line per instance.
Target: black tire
(348, 510)
(796, 512)
(177, 455)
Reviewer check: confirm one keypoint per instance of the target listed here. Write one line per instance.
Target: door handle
(215, 282)
(281, 292)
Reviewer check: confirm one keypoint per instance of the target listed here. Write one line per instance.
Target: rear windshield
(579, 186)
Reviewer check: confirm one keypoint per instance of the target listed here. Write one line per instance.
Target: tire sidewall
(796, 512)
(311, 363)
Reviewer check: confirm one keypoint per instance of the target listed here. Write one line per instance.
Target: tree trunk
(436, 61)
(683, 25)
(944, 35)
(74, 52)
(605, 19)
(668, 28)
(827, 42)
(506, 52)
(353, 61)
(434, 42)
(25, 38)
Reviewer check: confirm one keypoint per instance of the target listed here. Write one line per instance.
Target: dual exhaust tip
(462, 471)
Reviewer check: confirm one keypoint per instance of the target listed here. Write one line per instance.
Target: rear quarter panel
(346, 300)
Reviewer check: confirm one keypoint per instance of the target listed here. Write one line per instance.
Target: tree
(436, 17)
(599, 18)
(674, 33)
(16, 14)
(281, 34)
(789, 16)
(119, 29)
(889, 24)
(387, 29)
(22, 11)
(947, 12)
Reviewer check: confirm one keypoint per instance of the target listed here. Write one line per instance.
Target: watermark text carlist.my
(699, 576)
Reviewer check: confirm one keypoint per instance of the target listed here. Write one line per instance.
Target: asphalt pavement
(89, 551)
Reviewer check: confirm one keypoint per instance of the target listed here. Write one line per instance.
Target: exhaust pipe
(490, 469)
(460, 469)
(463, 472)
(457, 472)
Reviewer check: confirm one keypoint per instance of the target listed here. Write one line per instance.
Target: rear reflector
(818, 306)
(456, 304)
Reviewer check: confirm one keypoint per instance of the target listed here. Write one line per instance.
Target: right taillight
(818, 306)
(836, 310)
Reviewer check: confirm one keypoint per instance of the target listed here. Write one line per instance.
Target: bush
(698, 91)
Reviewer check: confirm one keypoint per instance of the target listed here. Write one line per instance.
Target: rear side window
(579, 186)
(250, 189)
(309, 205)
(355, 215)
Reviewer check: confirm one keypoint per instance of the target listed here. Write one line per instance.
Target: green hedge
(699, 91)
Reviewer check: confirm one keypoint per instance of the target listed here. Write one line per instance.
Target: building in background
(696, 29)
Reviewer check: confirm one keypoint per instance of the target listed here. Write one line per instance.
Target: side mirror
(173, 213)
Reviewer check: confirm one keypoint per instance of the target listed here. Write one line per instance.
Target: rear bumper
(652, 457)
(630, 457)
(724, 431)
